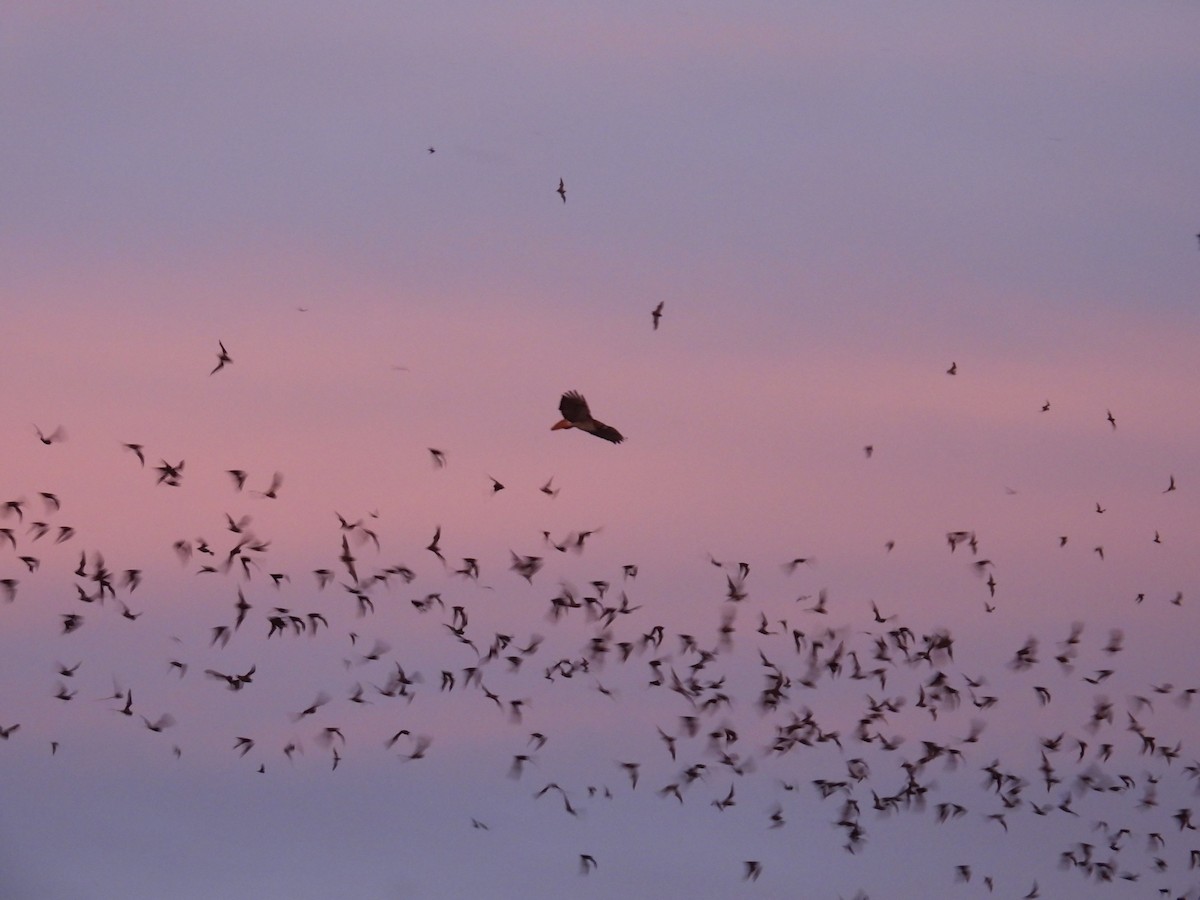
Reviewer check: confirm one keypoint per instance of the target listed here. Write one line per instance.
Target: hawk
(575, 414)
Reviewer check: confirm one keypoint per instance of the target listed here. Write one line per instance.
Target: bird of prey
(575, 414)
(562, 190)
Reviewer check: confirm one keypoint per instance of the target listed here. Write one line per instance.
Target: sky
(962, 236)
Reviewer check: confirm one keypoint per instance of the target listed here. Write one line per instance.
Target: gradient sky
(833, 204)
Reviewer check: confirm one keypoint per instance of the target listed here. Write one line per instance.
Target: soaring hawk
(575, 414)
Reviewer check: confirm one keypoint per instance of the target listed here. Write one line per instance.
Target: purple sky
(833, 205)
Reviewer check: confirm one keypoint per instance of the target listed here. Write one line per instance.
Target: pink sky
(833, 205)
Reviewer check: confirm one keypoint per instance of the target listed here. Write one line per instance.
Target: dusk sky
(929, 279)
